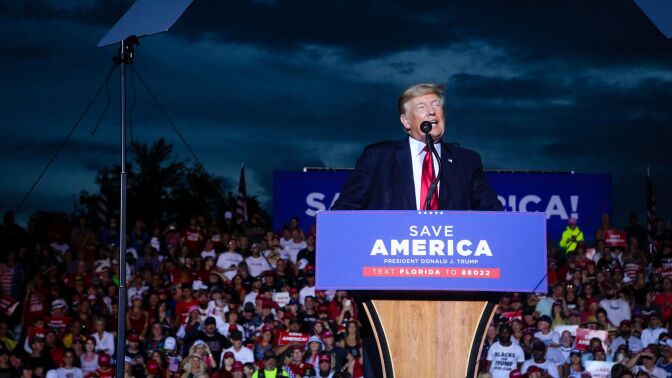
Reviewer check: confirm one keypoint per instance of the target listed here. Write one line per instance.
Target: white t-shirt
(256, 265)
(650, 336)
(244, 355)
(547, 366)
(292, 249)
(504, 359)
(617, 310)
(283, 242)
(566, 351)
(134, 292)
(105, 343)
(306, 292)
(551, 337)
(75, 372)
(227, 259)
(210, 253)
(251, 297)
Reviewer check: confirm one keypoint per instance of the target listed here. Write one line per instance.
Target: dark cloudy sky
(532, 85)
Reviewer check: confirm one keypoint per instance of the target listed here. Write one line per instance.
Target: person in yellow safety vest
(571, 236)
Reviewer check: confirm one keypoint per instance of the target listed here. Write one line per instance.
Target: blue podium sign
(431, 250)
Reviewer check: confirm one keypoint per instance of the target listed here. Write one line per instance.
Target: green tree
(162, 189)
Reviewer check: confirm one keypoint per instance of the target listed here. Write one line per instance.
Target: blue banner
(557, 195)
(431, 250)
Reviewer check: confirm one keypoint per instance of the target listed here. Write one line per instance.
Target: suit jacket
(383, 180)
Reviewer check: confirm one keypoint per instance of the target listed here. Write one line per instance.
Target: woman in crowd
(574, 367)
(264, 343)
(602, 319)
(558, 314)
(194, 367)
(353, 338)
(202, 350)
(89, 359)
(155, 340)
(313, 348)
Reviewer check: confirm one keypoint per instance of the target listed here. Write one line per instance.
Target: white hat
(198, 285)
(169, 343)
(228, 215)
(58, 303)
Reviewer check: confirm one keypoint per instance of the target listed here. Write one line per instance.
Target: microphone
(426, 127)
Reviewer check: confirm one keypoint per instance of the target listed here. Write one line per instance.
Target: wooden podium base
(428, 338)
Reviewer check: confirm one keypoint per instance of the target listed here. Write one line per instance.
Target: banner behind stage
(558, 195)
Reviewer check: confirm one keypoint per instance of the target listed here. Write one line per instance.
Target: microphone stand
(432, 150)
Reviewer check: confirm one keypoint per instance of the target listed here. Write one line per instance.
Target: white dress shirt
(417, 157)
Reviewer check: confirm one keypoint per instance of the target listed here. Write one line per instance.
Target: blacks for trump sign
(431, 250)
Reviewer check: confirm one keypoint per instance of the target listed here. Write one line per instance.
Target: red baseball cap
(237, 366)
(104, 359)
(325, 358)
(516, 374)
(153, 367)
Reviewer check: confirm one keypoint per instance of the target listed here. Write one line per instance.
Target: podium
(429, 280)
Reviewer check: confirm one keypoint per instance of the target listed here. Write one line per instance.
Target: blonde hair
(186, 365)
(418, 90)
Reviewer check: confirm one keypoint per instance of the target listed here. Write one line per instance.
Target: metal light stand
(125, 56)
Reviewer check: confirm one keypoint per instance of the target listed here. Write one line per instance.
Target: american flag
(101, 205)
(650, 207)
(241, 202)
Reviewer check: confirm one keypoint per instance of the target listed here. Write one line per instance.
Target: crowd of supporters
(214, 298)
(619, 283)
(229, 298)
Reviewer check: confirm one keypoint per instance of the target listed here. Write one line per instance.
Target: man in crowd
(240, 352)
(617, 309)
(539, 360)
(213, 339)
(324, 366)
(504, 356)
(571, 237)
(271, 370)
(651, 333)
(228, 261)
(645, 361)
(257, 263)
(626, 337)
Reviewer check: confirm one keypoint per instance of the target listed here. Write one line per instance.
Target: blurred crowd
(231, 298)
(609, 300)
(211, 298)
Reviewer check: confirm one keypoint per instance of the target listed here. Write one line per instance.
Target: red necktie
(428, 177)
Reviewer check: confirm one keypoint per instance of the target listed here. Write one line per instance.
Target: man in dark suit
(390, 175)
